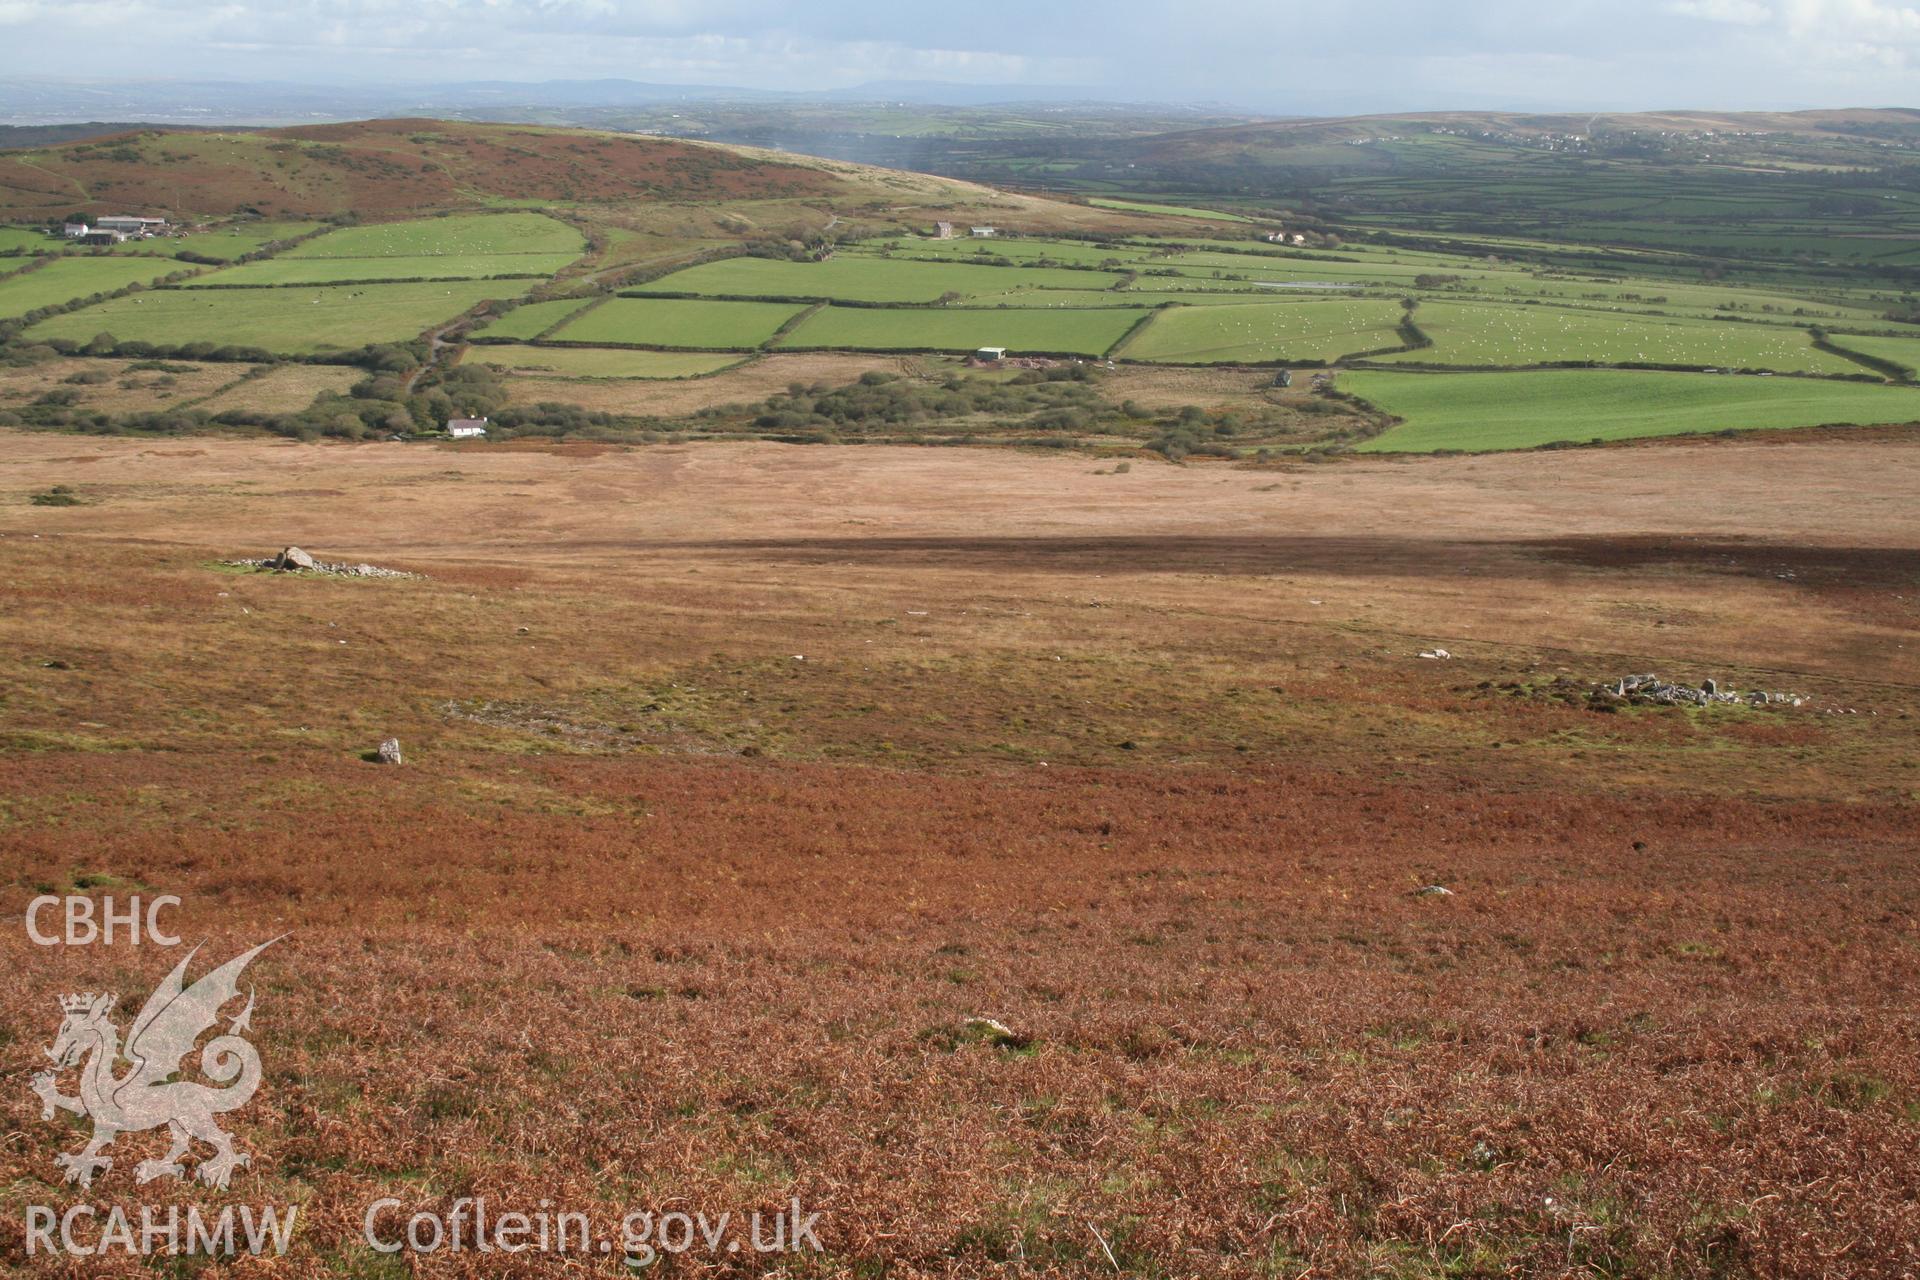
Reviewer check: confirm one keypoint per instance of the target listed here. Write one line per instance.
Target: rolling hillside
(384, 168)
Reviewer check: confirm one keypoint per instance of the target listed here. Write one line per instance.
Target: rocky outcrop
(294, 560)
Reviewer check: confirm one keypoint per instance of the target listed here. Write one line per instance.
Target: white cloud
(1365, 55)
(1746, 13)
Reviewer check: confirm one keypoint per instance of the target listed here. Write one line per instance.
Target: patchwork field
(1521, 410)
(1468, 334)
(675, 322)
(1035, 252)
(854, 278)
(70, 279)
(467, 266)
(225, 243)
(757, 775)
(284, 321)
(483, 234)
(231, 242)
(1022, 331)
(28, 240)
(599, 362)
(1166, 210)
(1267, 332)
(1904, 352)
(531, 319)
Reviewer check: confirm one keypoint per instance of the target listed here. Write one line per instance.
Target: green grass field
(599, 362)
(1483, 411)
(228, 243)
(679, 322)
(1474, 334)
(1904, 352)
(224, 243)
(467, 266)
(1035, 252)
(72, 278)
(1072, 298)
(862, 278)
(285, 321)
(1289, 330)
(31, 240)
(456, 236)
(1021, 331)
(1165, 210)
(532, 319)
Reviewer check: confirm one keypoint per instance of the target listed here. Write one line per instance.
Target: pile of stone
(294, 560)
(1651, 691)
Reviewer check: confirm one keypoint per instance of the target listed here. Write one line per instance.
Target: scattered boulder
(1650, 690)
(994, 1032)
(294, 560)
(1433, 891)
(1435, 654)
(389, 752)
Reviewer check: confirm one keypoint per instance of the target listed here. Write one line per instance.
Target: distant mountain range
(220, 102)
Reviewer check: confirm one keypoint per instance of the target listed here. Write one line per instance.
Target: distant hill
(1282, 142)
(52, 100)
(14, 137)
(390, 167)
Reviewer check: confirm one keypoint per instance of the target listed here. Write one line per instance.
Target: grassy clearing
(1166, 210)
(600, 362)
(533, 319)
(461, 235)
(1473, 334)
(1088, 332)
(1316, 330)
(285, 321)
(675, 322)
(72, 278)
(472, 266)
(856, 278)
(1479, 411)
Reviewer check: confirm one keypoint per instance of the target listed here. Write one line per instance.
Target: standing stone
(390, 751)
(1709, 687)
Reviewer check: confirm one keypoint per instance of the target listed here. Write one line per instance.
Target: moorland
(1162, 803)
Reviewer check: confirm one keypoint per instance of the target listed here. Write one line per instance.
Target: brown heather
(659, 915)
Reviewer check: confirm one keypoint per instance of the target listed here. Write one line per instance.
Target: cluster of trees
(381, 404)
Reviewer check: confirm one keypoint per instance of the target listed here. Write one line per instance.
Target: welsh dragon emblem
(147, 1096)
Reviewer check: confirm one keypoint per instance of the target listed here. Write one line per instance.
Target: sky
(1277, 56)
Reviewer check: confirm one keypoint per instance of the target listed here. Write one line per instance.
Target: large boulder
(294, 558)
